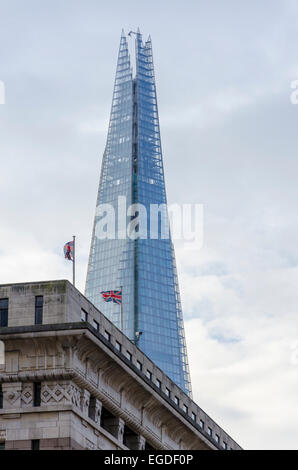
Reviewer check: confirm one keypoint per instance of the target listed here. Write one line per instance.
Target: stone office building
(72, 380)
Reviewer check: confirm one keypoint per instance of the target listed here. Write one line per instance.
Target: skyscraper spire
(132, 169)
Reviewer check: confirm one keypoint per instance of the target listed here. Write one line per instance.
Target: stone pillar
(135, 442)
(141, 443)
(12, 395)
(95, 408)
(85, 401)
(115, 426)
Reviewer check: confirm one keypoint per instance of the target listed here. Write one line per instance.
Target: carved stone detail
(55, 392)
(27, 395)
(85, 401)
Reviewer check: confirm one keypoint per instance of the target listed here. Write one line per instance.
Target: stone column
(85, 401)
(95, 408)
(115, 426)
(141, 443)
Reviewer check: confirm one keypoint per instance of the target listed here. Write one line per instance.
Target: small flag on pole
(70, 254)
(112, 296)
(68, 251)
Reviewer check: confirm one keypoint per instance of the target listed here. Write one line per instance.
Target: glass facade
(144, 265)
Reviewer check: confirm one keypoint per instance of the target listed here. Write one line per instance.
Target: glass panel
(145, 269)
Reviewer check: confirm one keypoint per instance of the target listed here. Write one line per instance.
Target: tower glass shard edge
(133, 167)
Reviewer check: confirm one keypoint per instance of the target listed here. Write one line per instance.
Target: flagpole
(74, 262)
(121, 311)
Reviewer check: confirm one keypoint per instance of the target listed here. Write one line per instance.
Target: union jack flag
(112, 296)
(68, 251)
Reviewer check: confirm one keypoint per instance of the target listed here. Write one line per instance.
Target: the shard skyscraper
(132, 173)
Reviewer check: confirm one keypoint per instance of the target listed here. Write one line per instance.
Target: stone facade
(72, 384)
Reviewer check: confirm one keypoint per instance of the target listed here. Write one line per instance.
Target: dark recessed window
(202, 424)
(176, 400)
(36, 393)
(95, 325)
(149, 374)
(158, 383)
(1, 397)
(185, 409)
(118, 346)
(2, 445)
(217, 438)
(84, 315)
(139, 365)
(168, 392)
(128, 355)
(225, 445)
(38, 309)
(3, 312)
(35, 444)
(193, 416)
(209, 431)
(107, 335)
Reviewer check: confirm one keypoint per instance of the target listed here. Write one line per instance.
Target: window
(3, 312)
(38, 309)
(128, 355)
(139, 365)
(217, 438)
(225, 445)
(107, 335)
(168, 392)
(158, 383)
(84, 315)
(36, 393)
(193, 416)
(118, 346)
(176, 400)
(92, 407)
(2, 445)
(210, 431)
(1, 397)
(149, 374)
(185, 409)
(35, 444)
(95, 325)
(202, 424)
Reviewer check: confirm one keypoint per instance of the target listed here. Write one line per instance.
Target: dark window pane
(37, 393)
(35, 444)
(3, 303)
(38, 310)
(1, 397)
(39, 301)
(84, 315)
(107, 336)
(3, 312)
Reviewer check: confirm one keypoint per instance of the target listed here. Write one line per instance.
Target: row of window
(35, 445)
(158, 382)
(38, 311)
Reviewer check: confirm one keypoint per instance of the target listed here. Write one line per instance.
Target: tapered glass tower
(142, 265)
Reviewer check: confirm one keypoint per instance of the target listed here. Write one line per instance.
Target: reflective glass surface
(145, 268)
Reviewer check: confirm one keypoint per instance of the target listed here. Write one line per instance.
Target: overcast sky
(229, 134)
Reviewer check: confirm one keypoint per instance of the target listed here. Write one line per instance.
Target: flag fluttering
(112, 296)
(68, 251)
